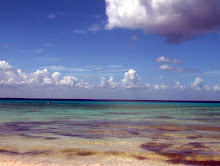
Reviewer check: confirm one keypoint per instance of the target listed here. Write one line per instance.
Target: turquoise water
(164, 129)
(29, 110)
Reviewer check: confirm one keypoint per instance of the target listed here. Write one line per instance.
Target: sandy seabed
(109, 134)
(6, 160)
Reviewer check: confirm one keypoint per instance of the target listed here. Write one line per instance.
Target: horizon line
(114, 100)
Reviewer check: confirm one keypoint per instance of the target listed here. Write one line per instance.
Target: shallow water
(176, 133)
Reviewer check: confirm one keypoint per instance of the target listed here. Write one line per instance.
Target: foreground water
(41, 132)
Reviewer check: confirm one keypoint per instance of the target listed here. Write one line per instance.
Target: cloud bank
(10, 76)
(43, 84)
(175, 20)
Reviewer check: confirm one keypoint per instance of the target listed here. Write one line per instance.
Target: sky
(110, 49)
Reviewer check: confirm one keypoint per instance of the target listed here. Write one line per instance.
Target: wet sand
(6, 160)
(36, 150)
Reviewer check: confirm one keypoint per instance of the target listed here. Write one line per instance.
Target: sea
(86, 132)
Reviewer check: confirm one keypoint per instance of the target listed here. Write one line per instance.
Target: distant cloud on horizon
(42, 81)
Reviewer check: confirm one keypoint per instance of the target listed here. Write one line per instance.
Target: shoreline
(6, 160)
(81, 157)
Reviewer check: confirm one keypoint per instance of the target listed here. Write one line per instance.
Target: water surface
(176, 133)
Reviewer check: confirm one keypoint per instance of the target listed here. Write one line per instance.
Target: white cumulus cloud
(176, 20)
(131, 79)
(108, 83)
(4, 65)
(14, 77)
(216, 88)
(199, 84)
(159, 87)
(178, 85)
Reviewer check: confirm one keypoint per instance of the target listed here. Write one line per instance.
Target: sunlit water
(183, 133)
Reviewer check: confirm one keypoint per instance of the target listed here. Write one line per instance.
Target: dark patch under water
(179, 155)
(43, 137)
(194, 137)
(99, 129)
(195, 162)
(122, 113)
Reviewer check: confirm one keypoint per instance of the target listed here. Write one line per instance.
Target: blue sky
(92, 39)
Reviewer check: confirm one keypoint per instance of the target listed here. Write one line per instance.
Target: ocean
(64, 132)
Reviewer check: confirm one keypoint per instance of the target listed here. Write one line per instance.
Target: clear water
(185, 133)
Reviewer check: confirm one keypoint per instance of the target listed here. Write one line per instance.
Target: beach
(40, 132)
